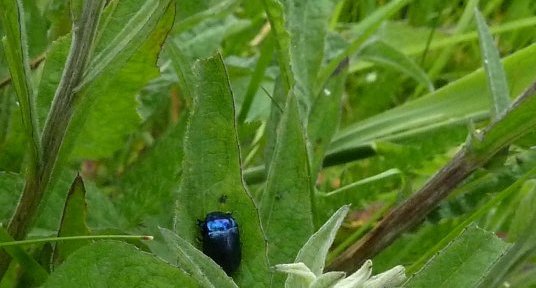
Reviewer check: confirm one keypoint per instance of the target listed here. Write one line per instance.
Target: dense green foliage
(308, 120)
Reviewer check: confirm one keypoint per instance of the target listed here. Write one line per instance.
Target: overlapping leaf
(211, 177)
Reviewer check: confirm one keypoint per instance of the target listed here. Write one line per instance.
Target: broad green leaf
(286, 204)
(182, 65)
(73, 221)
(465, 261)
(107, 112)
(150, 184)
(59, 15)
(197, 264)
(460, 101)
(522, 232)
(497, 82)
(123, 25)
(36, 272)
(314, 252)
(10, 187)
(211, 177)
(116, 264)
(379, 52)
(50, 211)
(16, 52)
(36, 29)
(102, 213)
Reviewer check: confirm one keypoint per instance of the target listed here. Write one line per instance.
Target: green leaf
(497, 82)
(116, 264)
(197, 264)
(522, 232)
(465, 261)
(149, 192)
(279, 98)
(307, 25)
(205, 38)
(50, 77)
(286, 204)
(276, 15)
(459, 101)
(325, 116)
(382, 53)
(123, 25)
(107, 112)
(10, 187)
(53, 202)
(524, 214)
(218, 10)
(36, 272)
(102, 213)
(314, 252)
(73, 221)
(183, 68)
(36, 28)
(212, 178)
(16, 52)
(257, 77)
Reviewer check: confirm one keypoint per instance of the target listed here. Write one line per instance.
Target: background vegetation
(126, 118)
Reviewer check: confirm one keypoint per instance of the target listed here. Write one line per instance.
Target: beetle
(221, 240)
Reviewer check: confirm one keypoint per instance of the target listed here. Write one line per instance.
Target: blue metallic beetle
(221, 240)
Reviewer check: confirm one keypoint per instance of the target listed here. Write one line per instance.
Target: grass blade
(497, 82)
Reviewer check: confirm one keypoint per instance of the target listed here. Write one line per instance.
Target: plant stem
(70, 238)
(479, 149)
(62, 109)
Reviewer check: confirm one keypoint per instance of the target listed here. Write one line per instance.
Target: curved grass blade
(497, 82)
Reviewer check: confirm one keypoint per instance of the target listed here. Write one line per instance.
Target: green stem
(84, 30)
(70, 238)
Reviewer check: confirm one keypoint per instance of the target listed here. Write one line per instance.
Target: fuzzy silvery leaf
(358, 278)
(328, 280)
(390, 278)
(304, 278)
